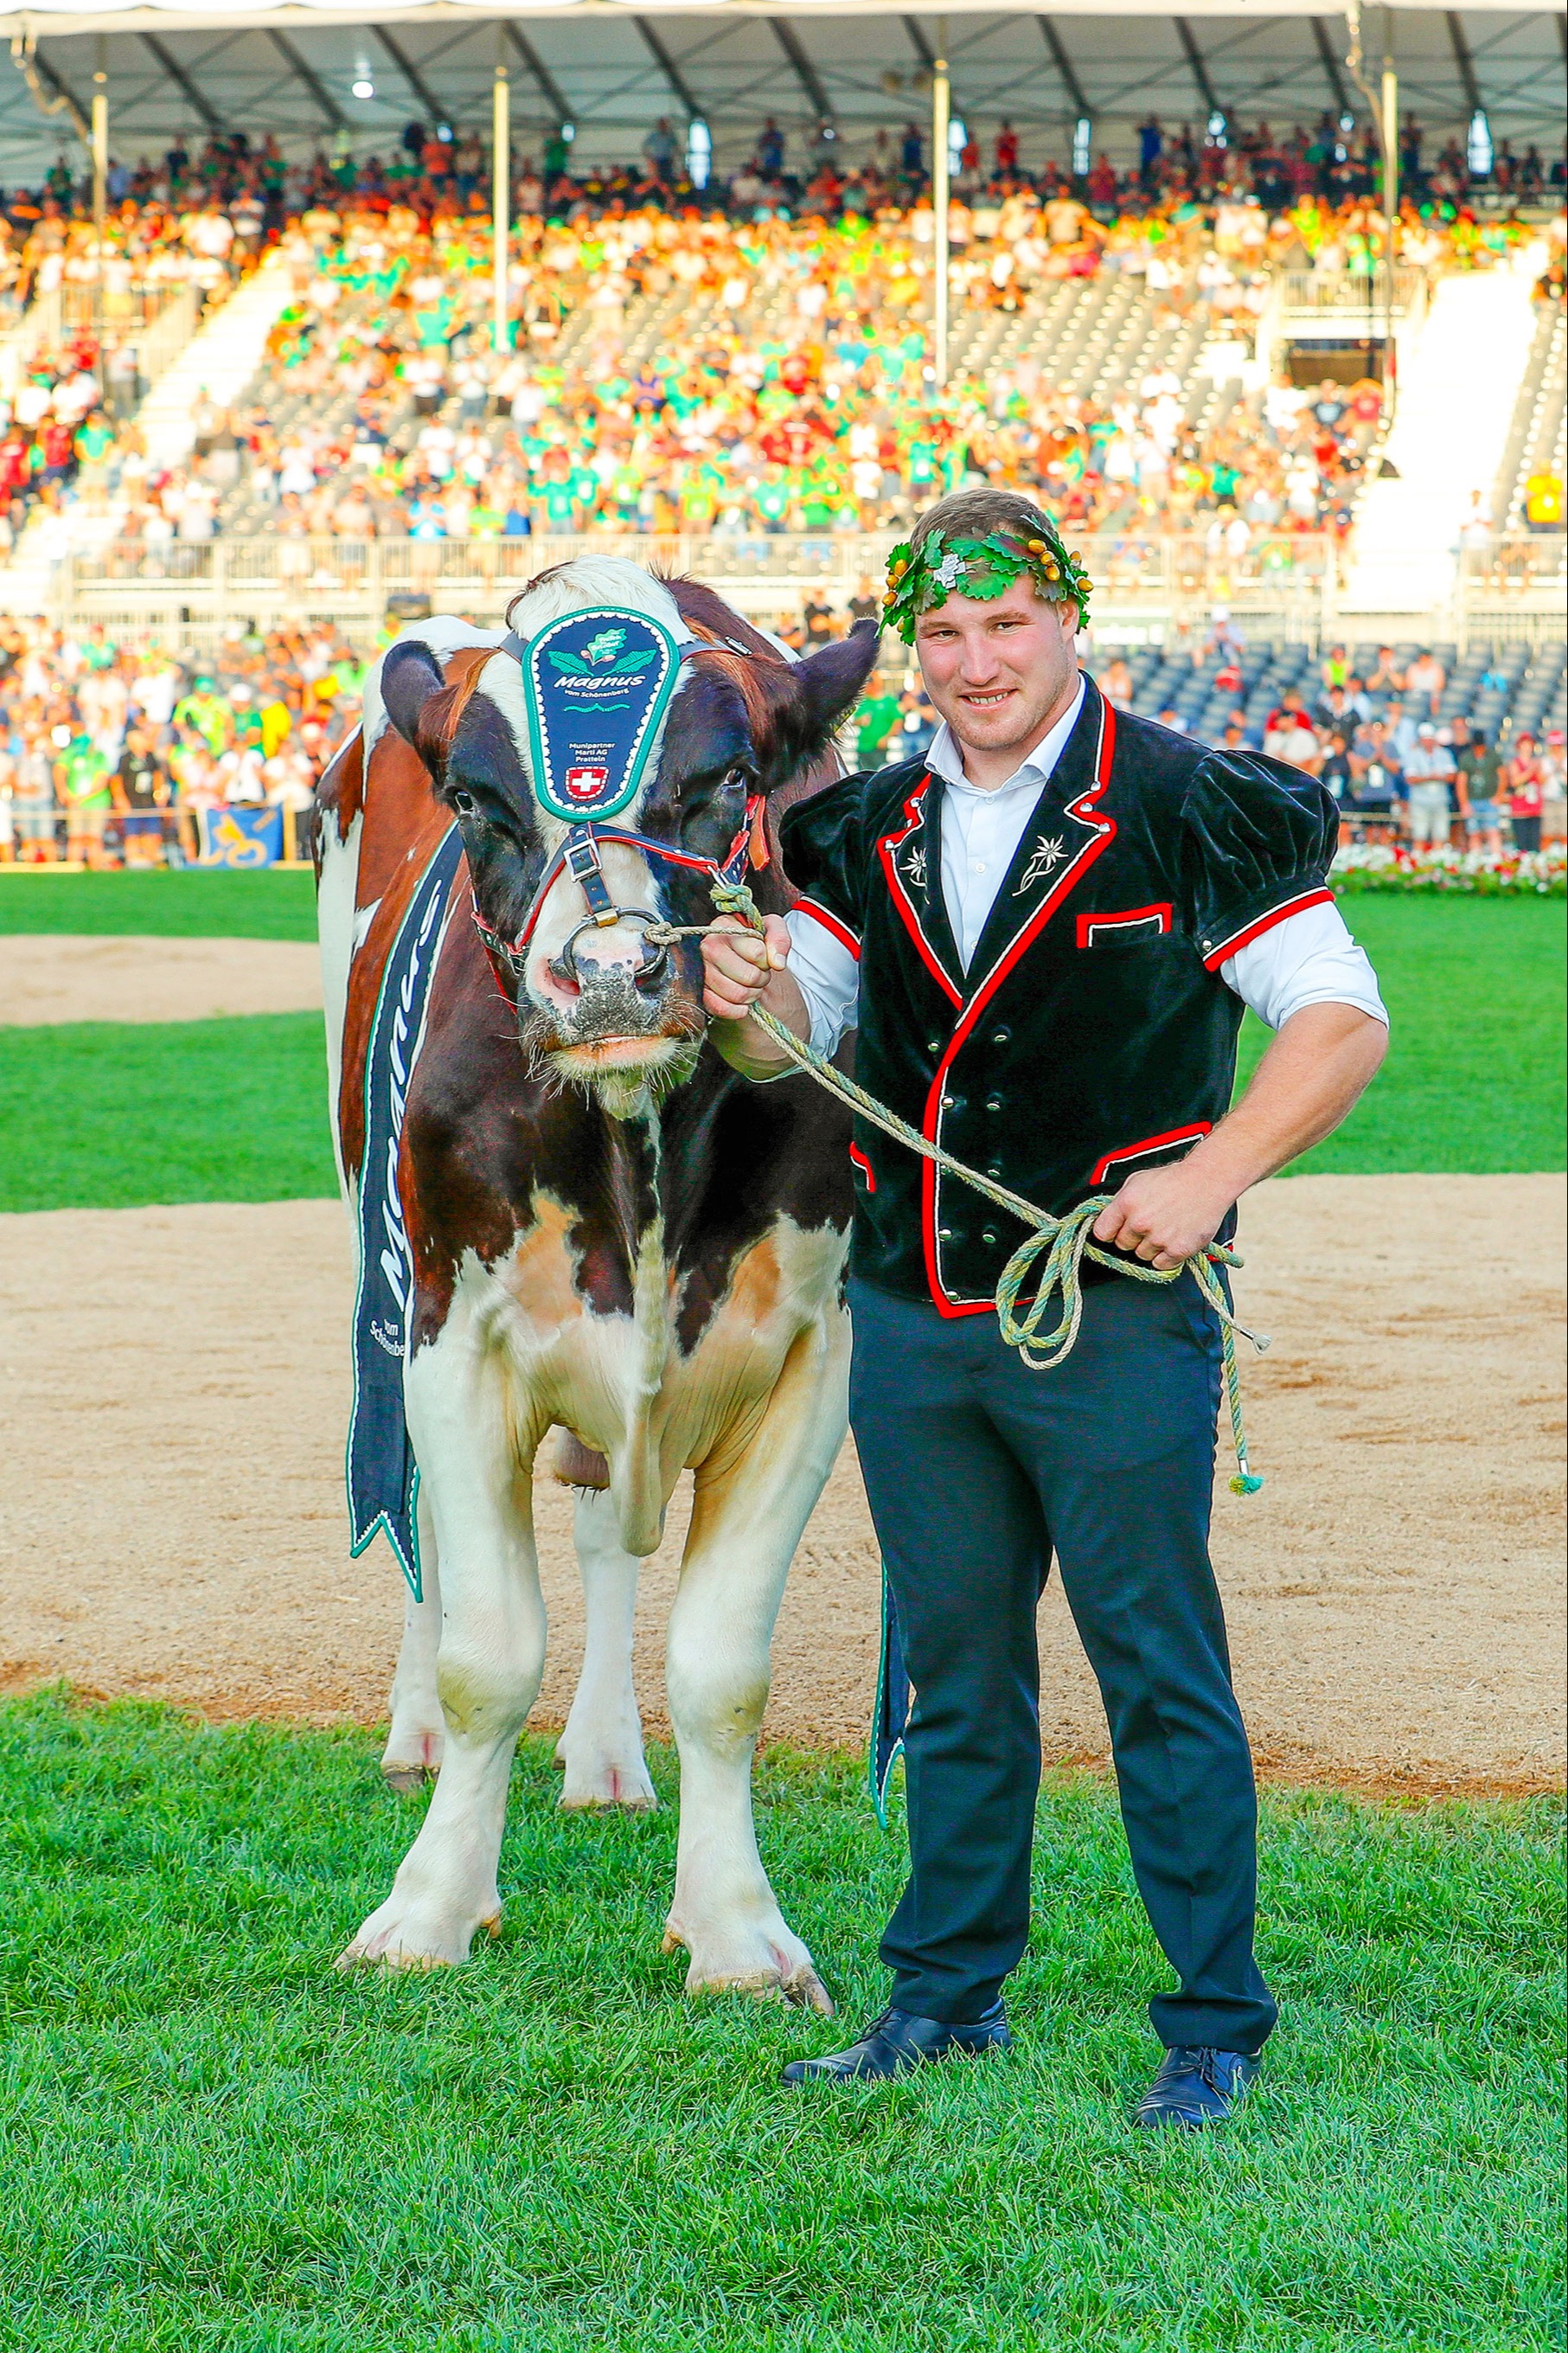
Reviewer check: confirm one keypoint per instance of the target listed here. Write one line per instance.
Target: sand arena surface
(177, 1385)
(70, 977)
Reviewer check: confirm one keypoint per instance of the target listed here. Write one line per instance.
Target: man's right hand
(738, 964)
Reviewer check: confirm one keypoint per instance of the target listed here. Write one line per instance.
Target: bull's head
(599, 1004)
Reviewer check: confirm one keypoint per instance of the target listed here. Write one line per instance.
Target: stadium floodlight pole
(500, 194)
(941, 114)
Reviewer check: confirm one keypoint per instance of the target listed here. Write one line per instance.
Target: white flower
(950, 571)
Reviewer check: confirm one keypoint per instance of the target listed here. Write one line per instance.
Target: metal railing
(1280, 584)
(786, 564)
(1352, 291)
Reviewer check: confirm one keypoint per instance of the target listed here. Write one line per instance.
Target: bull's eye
(464, 803)
(737, 781)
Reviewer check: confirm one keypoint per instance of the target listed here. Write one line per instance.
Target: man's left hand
(1164, 1216)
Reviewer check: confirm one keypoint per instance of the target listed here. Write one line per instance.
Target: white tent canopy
(312, 73)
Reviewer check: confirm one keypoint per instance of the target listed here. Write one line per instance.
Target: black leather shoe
(896, 2044)
(1196, 2086)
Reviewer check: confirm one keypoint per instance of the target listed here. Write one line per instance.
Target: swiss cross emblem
(585, 783)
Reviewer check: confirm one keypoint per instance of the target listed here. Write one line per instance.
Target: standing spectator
(140, 790)
(1478, 784)
(1334, 770)
(877, 715)
(82, 789)
(1524, 786)
(1428, 772)
(659, 149)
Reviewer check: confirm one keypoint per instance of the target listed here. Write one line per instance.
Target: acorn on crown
(921, 577)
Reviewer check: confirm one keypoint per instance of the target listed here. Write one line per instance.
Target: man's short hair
(974, 515)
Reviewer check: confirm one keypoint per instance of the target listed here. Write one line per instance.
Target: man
(1428, 770)
(141, 788)
(1289, 734)
(1051, 923)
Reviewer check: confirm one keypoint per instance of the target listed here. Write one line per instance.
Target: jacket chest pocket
(1123, 931)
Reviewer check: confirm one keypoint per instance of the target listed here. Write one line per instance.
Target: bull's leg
(490, 1658)
(412, 1751)
(747, 1518)
(602, 1747)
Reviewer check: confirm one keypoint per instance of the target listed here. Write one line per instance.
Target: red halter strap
(579, 857)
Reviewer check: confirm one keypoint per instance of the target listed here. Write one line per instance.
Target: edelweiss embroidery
(914, 868)
(1046, 855)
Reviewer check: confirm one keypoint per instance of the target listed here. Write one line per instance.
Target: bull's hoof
(595, 1781)
(410, 1759)
(776, 1968)
(414, 1935)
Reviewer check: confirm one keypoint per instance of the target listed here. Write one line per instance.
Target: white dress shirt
(1308, 958)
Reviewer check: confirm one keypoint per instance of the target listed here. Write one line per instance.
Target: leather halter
(578, 856)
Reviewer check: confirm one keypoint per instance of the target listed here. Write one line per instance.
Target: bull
(611, 1235)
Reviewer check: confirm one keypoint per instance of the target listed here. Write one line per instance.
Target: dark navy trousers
(977, 1470)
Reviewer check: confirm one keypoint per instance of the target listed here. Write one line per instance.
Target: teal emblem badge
(596, 685)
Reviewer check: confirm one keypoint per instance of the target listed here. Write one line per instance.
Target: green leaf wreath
(922, 578)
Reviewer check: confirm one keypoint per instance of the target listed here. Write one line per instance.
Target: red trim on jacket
(819, 914)
(1124, 919)
(915, 813)
(1150, 1143)
(1244, 938)
(1083, 808)
(861, 1161)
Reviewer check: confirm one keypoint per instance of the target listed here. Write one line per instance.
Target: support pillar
(940, 115)
(501, 203)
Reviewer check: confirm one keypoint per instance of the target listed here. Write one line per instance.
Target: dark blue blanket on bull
(382, 1476)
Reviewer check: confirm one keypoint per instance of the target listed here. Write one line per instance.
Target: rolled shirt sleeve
(1310, 958)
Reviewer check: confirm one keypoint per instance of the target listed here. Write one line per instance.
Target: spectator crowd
(754, 365)
(110, 753)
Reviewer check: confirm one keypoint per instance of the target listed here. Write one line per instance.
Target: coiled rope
(1063, 1242)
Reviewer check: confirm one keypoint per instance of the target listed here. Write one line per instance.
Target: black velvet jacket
(1092, 1033)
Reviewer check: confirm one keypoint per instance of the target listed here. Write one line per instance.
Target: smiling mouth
(988, 700)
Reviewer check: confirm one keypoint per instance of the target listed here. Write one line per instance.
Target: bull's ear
(827, 685)
(410, 675)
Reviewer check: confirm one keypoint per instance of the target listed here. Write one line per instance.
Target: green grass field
(214, 2142)
(193, 904)
(109, 1114)
(113, 1115)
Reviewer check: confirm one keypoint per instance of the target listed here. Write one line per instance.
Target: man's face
(999, 669)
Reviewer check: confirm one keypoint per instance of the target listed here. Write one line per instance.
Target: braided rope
(1064, 1241)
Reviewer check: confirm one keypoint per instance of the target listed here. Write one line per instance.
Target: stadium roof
(612, 67)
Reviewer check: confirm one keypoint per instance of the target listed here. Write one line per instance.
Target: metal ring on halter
(564, 965)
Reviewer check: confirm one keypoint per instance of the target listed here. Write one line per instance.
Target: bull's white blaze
(756, 1411)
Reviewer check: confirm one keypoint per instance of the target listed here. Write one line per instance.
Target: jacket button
(944, 1233)
(1003, 1037)
(934, 1045)
(993, 1168)
(992, 1103)
(989, 1237)
(948, 1101)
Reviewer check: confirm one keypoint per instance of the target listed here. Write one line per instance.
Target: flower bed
(1456, 873)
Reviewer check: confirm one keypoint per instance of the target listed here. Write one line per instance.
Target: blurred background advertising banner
(241, 836)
